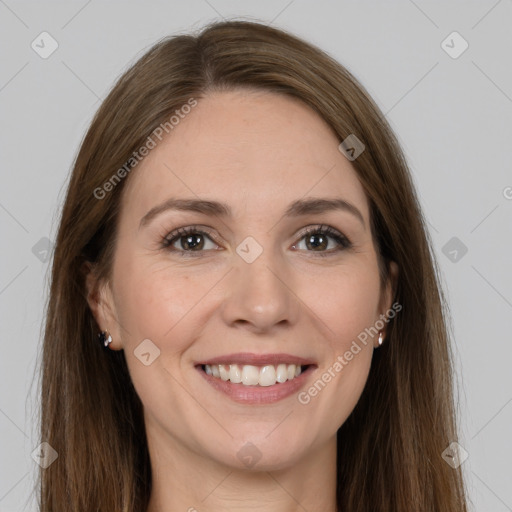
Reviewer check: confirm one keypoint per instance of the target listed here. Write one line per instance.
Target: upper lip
(246, 358)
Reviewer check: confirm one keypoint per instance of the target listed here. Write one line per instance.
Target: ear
(389, 291)
(101, 303)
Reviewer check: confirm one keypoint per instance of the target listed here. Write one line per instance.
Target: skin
(258, 152)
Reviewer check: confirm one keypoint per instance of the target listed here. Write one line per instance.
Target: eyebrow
(298, 208)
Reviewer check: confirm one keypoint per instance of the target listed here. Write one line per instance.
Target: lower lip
(257, 394)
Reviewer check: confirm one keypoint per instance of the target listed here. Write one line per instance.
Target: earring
(105, 338)
(381, 339)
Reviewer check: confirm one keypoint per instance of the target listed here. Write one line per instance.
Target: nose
(260, 295)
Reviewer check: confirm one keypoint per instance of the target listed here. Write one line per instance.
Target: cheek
(347, 303)
(152, 303)
(152, 299)
(347, 307)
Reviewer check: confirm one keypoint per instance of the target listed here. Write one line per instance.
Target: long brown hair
(390, 448)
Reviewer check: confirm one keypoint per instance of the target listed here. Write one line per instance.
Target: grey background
(452, 116)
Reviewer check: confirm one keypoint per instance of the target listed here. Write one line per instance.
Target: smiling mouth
(251, 375)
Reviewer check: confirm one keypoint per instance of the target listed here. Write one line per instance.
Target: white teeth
(250, 375)
(235, 374)
(267, 376)
(224, 374)
(281, 373)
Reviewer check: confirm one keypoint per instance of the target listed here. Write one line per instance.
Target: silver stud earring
(381, 338)
(105, 338)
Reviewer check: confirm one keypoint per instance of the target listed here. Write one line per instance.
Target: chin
(259, 454)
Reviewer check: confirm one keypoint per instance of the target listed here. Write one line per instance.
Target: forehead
(258, 151)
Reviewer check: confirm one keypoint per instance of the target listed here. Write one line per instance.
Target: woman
(242, 234)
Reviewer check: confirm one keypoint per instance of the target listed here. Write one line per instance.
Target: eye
(188, 239)
(317, 238)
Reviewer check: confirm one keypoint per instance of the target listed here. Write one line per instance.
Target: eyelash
(172, 237)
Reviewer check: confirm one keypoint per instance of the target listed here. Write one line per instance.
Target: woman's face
(246, 286)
